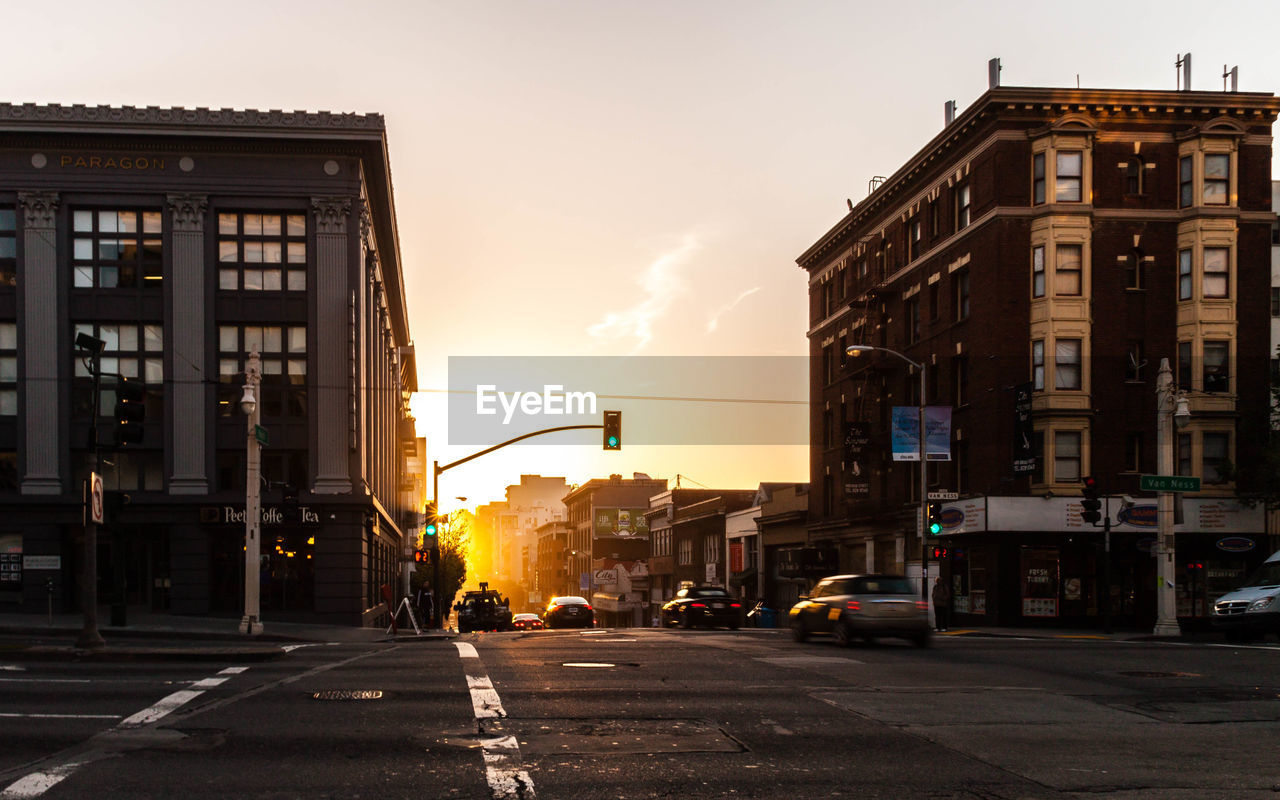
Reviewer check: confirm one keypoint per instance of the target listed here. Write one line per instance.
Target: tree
(454, 547)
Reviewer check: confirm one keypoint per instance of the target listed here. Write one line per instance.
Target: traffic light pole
(436, 470)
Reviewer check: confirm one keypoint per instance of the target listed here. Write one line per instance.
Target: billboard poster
(905, 430)
(1024, 457)
(857, 478)
(621, 522)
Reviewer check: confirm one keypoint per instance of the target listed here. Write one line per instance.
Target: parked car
(862, 607)
(702, 605)
(1254, 609)
(485, 610)
(569, 612)
(527, 622)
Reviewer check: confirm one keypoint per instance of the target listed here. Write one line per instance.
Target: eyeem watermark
(554, 401)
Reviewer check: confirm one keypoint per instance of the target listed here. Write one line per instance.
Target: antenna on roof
(1234, 75)
(993, 73)
(849, 202)
(1184, 64)
(874, 184)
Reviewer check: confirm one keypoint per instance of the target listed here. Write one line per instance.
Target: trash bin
(768, 618)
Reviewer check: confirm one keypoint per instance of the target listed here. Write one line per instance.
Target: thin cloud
(714, 322)
(660, 283)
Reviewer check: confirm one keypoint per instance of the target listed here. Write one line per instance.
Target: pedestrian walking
(941, 605)
(425, 606)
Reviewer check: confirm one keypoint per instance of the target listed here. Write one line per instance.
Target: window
(283, 354)
(962, 206)
(1186, 189)
(1216, 280)
(1066, 368)
(828, 365)
(1133, 453)
(711, 549)
(1133, 277)
(116, 249)
(933, 302)
(913, 243)
(134, 351)
(8, 369)
(1068, 182)
(1067, 269)
(8, 248)
(828, 435)
(1133, 362)
(960, 283)
(1037, 364)
(960, 378)
(1037, 452)
(1184, 366)
(1184, 274)
(1217, 372)
(1037, 271)
(1217, 179)
(686, 552)
(1133, 174)
(262, 252)
(935, 227)
(1037, 178)
(1184, 454)
(1214, 455)
(1066, 456)
(911, 318)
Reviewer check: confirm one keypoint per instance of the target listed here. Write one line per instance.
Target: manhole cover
(348, 694)
(1149, 674)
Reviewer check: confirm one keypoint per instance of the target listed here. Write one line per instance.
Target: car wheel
(844, 634)
(733, 626)
(922, 639)
(686, 621)
(798, 631)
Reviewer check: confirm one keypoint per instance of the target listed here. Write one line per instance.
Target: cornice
(16, 116)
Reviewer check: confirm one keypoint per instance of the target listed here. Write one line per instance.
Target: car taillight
(922, 605)
(587, 607)
(735, 605)
(697, 605)
(853, 605)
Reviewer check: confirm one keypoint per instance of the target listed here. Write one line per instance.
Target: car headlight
(1261, 604)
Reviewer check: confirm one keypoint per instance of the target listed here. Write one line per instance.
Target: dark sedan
(708, 606)
(569, 612)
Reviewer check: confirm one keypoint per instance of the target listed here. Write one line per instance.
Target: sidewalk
(173, 637)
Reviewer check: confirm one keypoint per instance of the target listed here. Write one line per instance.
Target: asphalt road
(654, 714)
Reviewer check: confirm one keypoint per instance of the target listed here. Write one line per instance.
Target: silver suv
(862, 607)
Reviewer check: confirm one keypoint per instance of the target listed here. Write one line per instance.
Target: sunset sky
(630, 178)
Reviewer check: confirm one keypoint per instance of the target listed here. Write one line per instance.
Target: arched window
(1133, 269)
(1133, 174)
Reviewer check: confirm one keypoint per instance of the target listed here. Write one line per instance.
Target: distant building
(1039, 257)
(183, 239)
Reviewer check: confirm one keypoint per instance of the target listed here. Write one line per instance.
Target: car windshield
(1266, 575)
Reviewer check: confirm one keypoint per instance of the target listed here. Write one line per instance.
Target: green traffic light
(431, 529)
(613, 441)
(935, 529)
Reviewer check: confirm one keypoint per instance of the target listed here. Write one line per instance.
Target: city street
(635, 713)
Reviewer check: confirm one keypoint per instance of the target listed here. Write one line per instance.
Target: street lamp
(1171, 409)
(252, 623)
(568, 560)
(856, 350)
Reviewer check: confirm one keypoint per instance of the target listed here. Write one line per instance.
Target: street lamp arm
(857, 349)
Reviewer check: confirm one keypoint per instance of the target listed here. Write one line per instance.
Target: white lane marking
(12, 668)
(165, 706)
(14, 714)
(232, 670)
(209, 683)
(37, 783)
(502, 768)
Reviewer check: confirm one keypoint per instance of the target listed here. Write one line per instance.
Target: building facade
(1036, 261)
(182, 240)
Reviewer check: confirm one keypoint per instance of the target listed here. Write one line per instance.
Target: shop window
(8, 470)
(116, 249)
(1066, 456)
(1040, 577)
(262, 252)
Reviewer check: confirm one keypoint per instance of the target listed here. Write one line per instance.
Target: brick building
(1050, 246)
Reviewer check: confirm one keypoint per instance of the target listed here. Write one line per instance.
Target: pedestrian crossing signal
(421, 556)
